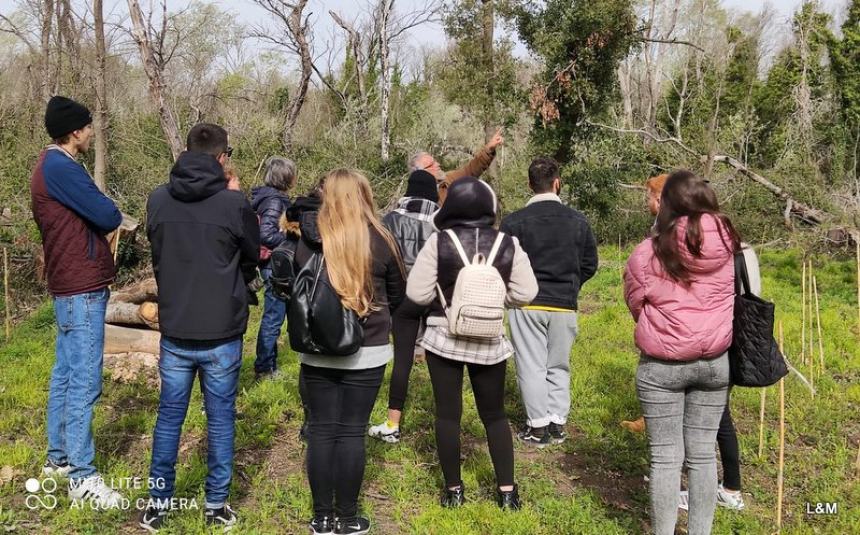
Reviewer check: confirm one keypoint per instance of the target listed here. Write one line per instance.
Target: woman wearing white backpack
(465, 327)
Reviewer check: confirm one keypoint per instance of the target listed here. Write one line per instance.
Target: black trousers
(339, 405)
(405, 324)
(488, 385)
(727, 440)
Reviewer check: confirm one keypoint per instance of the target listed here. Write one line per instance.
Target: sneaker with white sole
(95, 492)
(684, 500)
(385, 433)
(351, 526)
(222, 517)
(152, 518)
(52, 469)
(729, 500)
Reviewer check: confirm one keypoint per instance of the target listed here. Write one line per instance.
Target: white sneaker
(51, 469)
(729, 500)
(385, 433)
(95, 491)
(684, 500)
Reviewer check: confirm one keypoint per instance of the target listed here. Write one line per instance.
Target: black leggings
(405, 324)
(488, 385)
(727, 440)
(339, 405)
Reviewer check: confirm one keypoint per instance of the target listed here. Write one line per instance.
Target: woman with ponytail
(364, 268)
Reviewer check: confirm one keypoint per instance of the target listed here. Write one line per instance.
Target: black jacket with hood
(205, 244)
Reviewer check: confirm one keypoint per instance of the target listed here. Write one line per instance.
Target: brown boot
(636, 426)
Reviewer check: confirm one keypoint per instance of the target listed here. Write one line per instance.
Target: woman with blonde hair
(363, 266)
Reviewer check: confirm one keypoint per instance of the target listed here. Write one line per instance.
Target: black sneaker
(356, 525)
(535, 436)
(321, 525)
(223, 517)
(556, 433)
(452, 498)
(153, 518)
(509, 499)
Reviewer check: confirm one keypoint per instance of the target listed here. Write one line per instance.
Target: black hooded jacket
(205, 244)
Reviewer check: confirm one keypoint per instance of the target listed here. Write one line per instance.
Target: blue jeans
(274, 312)
(218, 362)
(76, 380)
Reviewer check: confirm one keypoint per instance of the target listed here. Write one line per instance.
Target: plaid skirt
(437, 339)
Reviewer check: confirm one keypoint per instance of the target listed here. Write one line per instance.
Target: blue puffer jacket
(269, 204)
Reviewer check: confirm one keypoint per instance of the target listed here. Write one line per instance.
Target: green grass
(592, 484)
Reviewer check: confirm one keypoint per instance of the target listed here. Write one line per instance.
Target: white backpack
(478, 305)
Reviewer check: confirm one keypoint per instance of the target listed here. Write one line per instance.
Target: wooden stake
(803, 317)
(761, 423)
(818, 322)
(858, 308)
(7, 302)
(810, 353)
(780, 477)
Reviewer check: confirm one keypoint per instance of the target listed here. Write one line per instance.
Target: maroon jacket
(73, 217)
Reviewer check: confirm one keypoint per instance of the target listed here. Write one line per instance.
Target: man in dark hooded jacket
(205, 247)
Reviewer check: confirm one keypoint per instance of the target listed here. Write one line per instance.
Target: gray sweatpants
(683, 403)
(542, 342)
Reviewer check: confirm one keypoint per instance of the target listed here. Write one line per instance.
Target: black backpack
(317, 321)
(754, 356)
(282, 263)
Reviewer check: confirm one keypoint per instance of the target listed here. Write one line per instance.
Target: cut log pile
(131, 330)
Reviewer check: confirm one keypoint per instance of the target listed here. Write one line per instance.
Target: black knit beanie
(64, 115)
(422, 184)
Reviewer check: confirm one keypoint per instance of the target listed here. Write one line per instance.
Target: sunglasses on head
(229, 151)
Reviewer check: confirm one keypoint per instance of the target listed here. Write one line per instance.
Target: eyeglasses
(229, 151)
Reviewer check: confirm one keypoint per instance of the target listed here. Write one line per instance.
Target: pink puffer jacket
(675, 322)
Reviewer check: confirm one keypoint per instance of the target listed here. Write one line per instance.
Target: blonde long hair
(347, 211)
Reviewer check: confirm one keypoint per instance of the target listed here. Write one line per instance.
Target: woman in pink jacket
(679, 287)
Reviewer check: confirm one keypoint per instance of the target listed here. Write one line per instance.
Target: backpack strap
(495, 250)
(458, 246)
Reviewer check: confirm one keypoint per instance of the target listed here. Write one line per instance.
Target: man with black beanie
(73, 217)
(411, 223)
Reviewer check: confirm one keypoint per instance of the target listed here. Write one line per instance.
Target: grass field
(594, 483)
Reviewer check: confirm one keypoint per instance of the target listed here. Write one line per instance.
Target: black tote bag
(754, 356)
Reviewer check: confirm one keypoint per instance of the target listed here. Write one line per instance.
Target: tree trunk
(384, 60)
(128, 340)
(47, 88)
(155, 73)
(803, 211)
(298, 28)
(488, 26)
(101, 115)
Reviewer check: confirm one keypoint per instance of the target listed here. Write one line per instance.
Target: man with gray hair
(270, 201)
(424, 161)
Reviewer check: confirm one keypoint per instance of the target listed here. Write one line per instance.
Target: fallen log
(129, 340)
(148, 312)
(145, 290)
(123, 314)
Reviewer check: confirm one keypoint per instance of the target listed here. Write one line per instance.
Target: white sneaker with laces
(730, 499)
(95, 491)
(684, 500)
(385, 433)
